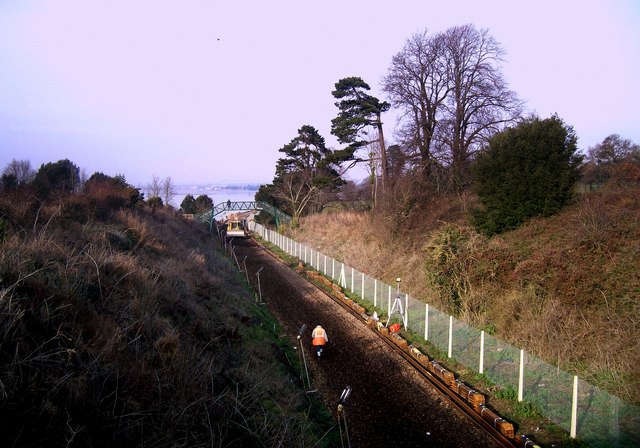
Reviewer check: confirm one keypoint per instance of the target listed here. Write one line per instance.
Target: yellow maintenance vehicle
(235, 226)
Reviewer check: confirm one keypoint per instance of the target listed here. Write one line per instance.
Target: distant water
(217, 193)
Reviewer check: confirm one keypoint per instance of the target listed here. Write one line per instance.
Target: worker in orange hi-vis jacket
(319, 338)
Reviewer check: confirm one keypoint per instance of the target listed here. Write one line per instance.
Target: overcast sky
(208, 91)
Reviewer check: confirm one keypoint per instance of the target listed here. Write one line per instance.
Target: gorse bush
(123, 328)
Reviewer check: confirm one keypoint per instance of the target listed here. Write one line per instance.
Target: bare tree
(297, 191)
(154, 189)
(452, 95)
(417, 84)
(21, 171)
(168, 190)
(615, 158)
(479, 103)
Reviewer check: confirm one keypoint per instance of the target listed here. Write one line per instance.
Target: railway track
(442, 380)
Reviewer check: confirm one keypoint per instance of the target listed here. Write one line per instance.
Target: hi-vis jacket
(319, 336)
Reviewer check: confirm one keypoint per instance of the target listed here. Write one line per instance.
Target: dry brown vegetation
(565, 288)
(122, 327)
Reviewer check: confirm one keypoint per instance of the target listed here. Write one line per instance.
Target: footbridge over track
(258, 206)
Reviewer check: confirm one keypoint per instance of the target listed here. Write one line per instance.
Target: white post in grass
(325, 265)
(333, 269)
(574, 409)
(375, 292)
(450, 354)
(406, 311)
(305, 254)
(317, 260)
(389, 303)
(481, 366)
(521, 377)
(362, 287)
(353, 289)
(426, 322)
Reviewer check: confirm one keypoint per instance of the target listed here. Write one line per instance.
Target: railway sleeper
(505, 427)
(475, 398)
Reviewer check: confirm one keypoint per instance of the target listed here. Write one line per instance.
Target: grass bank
(129, 328)
(565, 288)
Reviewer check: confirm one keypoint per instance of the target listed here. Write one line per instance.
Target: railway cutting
(390, 402)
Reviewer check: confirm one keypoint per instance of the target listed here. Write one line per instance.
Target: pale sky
(208, 91)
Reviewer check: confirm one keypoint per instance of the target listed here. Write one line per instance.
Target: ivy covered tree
(527, 171)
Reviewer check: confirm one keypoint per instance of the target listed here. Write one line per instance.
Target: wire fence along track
(594, 416)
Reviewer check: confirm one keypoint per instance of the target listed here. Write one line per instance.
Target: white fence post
(406, 311)
(333, 269)
(481, 366)
(343, 279)
(426, 322)
(574, 409)
(521, 377)
(375, 292)
(362, 287)
(353, 289)
(450, 354)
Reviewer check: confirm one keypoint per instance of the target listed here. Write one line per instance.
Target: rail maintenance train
(235, 227)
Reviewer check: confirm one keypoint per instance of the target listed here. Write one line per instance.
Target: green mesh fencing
(602, 419)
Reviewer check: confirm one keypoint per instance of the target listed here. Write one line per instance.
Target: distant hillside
(566, 288)
(123, 326)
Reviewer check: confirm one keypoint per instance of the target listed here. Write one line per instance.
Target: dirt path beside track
(390, 405)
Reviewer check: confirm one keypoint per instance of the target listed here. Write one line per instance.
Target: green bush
(527, 171)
